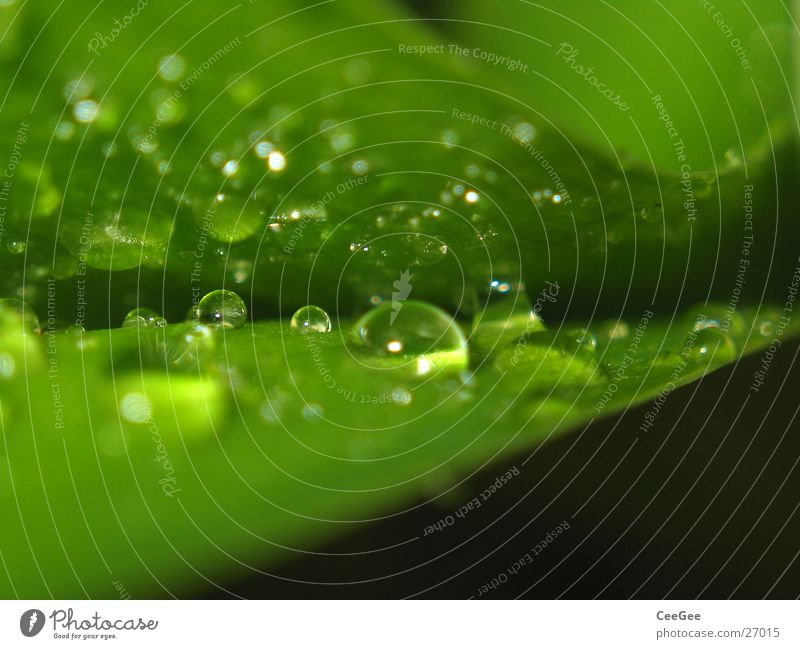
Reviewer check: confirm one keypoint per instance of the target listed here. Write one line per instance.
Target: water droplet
(524, 132)
(429, 250)
(136, 408)
(242, 270)
(719, 316)
(401, 396)
(768, 322)
(359, 167)
(86, 110)
(15, 314)
(263, 148)
(580, 341)
(616, 329)
(276, 161)
(65, 130)
(77, 89)
(450, 138)
(76, 330)
(311, 319)
(503, 316)
(221, 308)
(413, 335)
(313, 412)
(171, 67)
(118, 240)
(230, 167)
(472, 196)
(233, 218)
(186, 343)
(7, 366)
(711, 343)
(143, 317)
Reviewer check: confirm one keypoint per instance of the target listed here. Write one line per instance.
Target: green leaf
(319, 156)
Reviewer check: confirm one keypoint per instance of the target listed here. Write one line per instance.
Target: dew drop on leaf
(411, 334)
(711, 343)
(221, 308)
(311, 319)
(143, 317)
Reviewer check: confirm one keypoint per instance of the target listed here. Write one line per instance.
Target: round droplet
(221, 308)
(276, 161)
(311, 319)
(171, 67)
(143, 317)
(186, 343)
(7, 366)
(428, 250)
(76, 330)
(719, 316)
(711, 343)
(85, 111)
(231, 218)
(15, 314)
(411, 334)
(135, 407)
(580, 341)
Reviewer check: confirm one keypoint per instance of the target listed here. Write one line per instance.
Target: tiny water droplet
(231, 218)
(276, 161)
(136, 408)
(171, 67)
(143, 317)
(7, 366)
(581, 341)
(359, 167)
(711, 343)
(429, 250)
(524, 132)
(311, 319)
(221, 308)
(263, 148)
(313, 412)
(86, 110)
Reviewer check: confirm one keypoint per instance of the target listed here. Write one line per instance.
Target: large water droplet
(221, 308)
(413, 335)
(231, 218)
(311, 319)
(143, 317)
